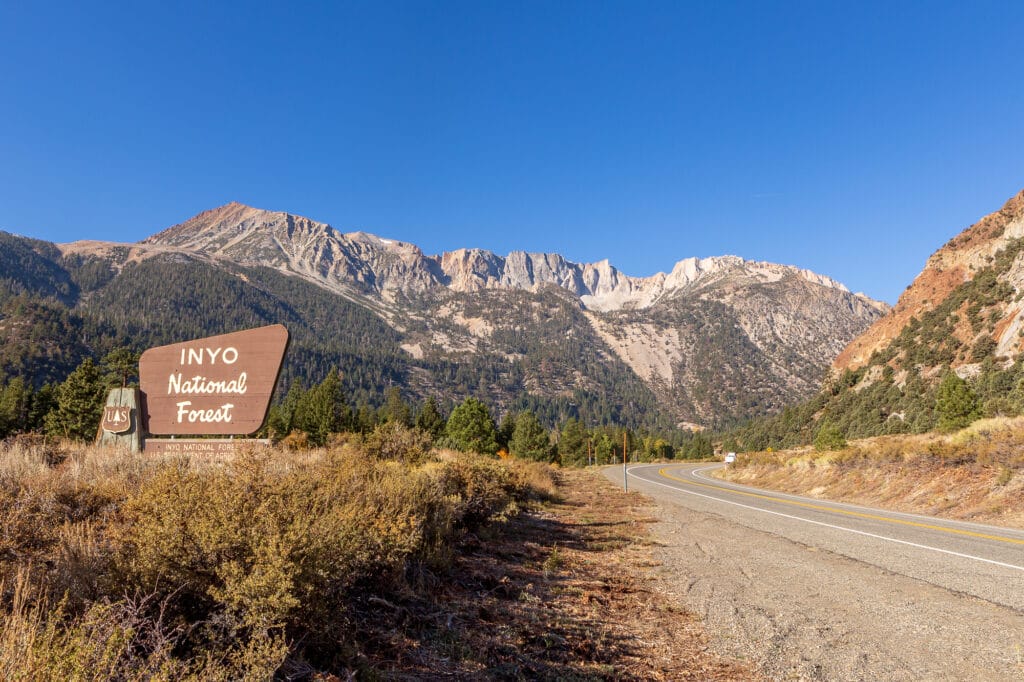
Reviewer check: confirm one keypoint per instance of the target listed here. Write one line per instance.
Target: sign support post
(625, 473)
(120, 426)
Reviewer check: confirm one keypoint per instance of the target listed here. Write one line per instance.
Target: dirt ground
(562, 593)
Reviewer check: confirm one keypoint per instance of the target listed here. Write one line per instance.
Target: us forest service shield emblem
(117, 419)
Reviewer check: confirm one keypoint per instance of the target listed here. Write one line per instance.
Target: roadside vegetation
(974, 473)
(311, 417)
(351, 547)
(117, 566)
(327, 563)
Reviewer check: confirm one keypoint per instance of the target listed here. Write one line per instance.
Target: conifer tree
(15, 399)
(322, 410)
(43, 401)
(506, 429)
(572, 443)
(281, 419)
(395, 409)
(429, 418)
(529, 439)
(955, 403)
(119, 366)
(829, 437)
(470, 428)
(79, 404)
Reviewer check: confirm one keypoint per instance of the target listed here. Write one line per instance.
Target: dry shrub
(258, 550)
(126, 639)
(256, 560)
(481, 487)
(968, 474)
(23, 458)
(396, 441)
(536, 480)
(296, 440)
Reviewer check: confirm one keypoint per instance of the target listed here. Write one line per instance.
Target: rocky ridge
(711, 341)
(708, 334)
(385, 268)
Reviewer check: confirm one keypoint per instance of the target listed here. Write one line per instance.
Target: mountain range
(713, 341)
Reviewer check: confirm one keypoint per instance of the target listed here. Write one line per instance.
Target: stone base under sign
(200, 446)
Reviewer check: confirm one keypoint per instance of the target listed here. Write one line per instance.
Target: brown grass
(975, 474)
(323, 564)
(556, 594)
(122, 566)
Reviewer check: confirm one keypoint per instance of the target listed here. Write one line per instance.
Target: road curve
(915, 597)
(985, 561)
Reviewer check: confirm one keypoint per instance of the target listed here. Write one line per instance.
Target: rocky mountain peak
(383, 267)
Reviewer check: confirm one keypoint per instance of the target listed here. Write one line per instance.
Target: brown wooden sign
(220, 385)
(117, 418)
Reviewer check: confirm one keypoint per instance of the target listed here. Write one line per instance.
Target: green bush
(955, 403)
(829, 438)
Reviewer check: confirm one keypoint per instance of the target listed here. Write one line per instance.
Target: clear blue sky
(851, 138)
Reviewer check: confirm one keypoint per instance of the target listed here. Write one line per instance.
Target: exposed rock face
(714, 339)
(383, 266)
(956, 263)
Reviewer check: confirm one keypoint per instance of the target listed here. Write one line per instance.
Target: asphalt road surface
(811, 589)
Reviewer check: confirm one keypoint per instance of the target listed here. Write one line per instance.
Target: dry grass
(324, 564)
(974, 474)
(556, 594)
(119, 566)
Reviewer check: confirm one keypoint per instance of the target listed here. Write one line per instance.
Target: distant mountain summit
(377, 266)
(711, 341)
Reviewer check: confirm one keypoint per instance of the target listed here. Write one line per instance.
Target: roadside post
(625, 476)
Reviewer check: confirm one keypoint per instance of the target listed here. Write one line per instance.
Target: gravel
(802, 613)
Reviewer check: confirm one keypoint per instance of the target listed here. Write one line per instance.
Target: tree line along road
(812, 589)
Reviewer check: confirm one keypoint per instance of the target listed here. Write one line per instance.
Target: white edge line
(829, 525)
(739, 487)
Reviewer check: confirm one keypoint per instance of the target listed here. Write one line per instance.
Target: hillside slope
(963, 313)
(988, 254)
(712, 341)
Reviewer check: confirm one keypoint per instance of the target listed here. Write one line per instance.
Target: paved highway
(984, 561)
(818, 590)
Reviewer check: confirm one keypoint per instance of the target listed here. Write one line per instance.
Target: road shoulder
(798, 612)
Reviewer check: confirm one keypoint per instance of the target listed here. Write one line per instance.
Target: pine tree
(829, 438)
(529, 439)
(281, 419)
(470, 428)
(15, 399)
(604, 450)
(119, 366)
(572, 443)
(322, 410)
(506, 429)
(395, 409)
(79, 404)
(955, 403)
(43, 401)
(429, 419)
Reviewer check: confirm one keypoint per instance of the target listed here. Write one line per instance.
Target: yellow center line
(818, 507)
